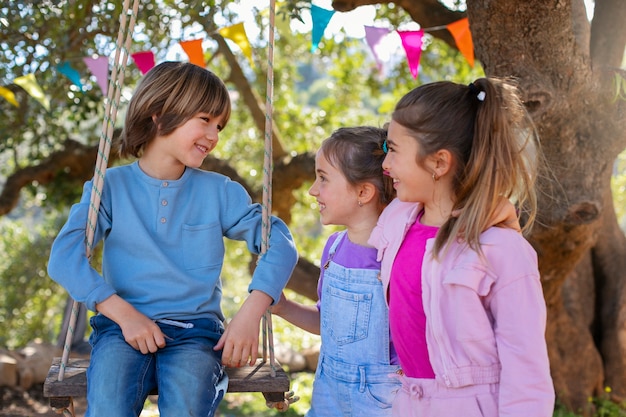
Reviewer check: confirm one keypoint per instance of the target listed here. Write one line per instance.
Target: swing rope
(112, 103)
(268, 332)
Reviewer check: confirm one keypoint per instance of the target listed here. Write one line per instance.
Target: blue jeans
(187, 372)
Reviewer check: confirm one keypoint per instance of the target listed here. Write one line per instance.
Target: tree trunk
(581, 135)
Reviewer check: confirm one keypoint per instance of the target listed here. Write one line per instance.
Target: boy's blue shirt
(163, 243)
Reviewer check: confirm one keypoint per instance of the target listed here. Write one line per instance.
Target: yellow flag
(8, 94)
(237, 34)
(29, 84)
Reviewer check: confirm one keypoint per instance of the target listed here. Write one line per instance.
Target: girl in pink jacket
(466, 307)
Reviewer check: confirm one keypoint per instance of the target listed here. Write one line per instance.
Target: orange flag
(463, 37)
(193, 49)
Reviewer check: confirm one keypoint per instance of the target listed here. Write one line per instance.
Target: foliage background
(336, 86)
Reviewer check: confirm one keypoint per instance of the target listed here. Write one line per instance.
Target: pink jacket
(485, 317)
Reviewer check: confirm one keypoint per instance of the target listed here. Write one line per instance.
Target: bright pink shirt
(405, 300)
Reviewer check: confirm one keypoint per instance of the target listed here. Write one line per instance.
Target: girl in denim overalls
(357, 364)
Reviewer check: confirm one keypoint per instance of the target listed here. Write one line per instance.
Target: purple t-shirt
(407, 319)
(351, 255)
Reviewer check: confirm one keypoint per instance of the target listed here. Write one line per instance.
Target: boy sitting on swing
(162, 220)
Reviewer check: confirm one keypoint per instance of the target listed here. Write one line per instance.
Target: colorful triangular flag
(412, 43)
(99, 67)
(373, 36)
(193, 49)
(237, 34)
(71, 73)
(144, 61)
(29, 84)
(463, 37)
(9, 96)
(320, 18)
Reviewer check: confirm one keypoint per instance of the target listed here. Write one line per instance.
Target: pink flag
(144, 60)
(412, 43)
(99, 67)
(373, 36)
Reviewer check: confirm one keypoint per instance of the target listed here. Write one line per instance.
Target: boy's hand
(139, 331)
(240, 341)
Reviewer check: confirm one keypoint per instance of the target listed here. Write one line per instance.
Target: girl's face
(337, 199)
(411, 181)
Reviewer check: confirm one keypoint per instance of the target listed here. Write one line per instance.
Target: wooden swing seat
(246, 379)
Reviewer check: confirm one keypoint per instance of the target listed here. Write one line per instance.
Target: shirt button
(165, 183)
(164, 202)
(163, 219)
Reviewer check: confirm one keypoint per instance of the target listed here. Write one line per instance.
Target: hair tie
(480, 95)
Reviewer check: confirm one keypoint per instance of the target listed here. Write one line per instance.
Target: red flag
(144, 61)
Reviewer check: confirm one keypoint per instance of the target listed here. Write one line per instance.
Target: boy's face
(190, 143)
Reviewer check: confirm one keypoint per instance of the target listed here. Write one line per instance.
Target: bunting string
(411, 41)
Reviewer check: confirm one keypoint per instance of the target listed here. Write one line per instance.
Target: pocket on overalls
(347, 315)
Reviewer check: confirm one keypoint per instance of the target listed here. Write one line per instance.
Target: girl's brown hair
(357, 152)
(172, 92)
(493, 141)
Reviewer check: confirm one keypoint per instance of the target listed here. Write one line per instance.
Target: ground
(15, 402)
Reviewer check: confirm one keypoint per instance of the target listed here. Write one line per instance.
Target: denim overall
(353, 377)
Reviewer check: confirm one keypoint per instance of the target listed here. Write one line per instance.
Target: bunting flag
(99, 67)
(237, 34)
(321, 17)
(29, 84)
(376, 38)
(71, 73)
(193, 49)
(9, 96)
(412, 43)
(463, 37)
(144, 61)
(373, 36)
